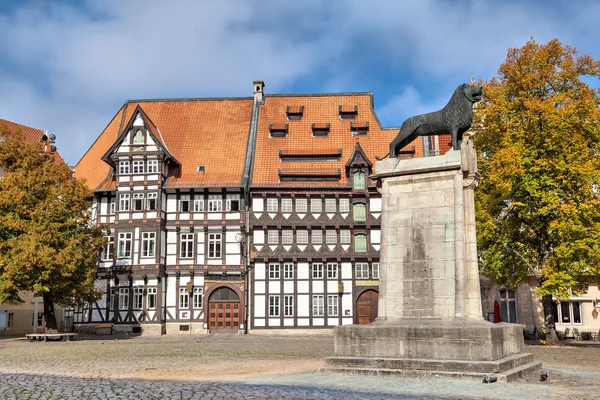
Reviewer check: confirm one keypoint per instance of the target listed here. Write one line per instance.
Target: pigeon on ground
(489, 379)
(543, 377)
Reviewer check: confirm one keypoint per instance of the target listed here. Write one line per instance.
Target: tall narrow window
(375, 272)
(301, 206)
(273, 271)
(318, 306)
(124, 250)
(360, 243)
(332, 305)
(124, 202)
(359, 210)
(288, 306)
(151, 201)
(138, 138)
(215, 203)
(288, 271)
(197, 301)
(214, 245)
(358, 181)
(272, 205)
(316, 206)
(199, 205)
(317, 270)
(184, 204)
(274, 306)
(138, 298)
(108, 253)
(344, 205)
(508, 306)
(123, 167)
(138, 201)
(148, 244)
(113, 206)
(123, 298)
(332, 270)
(184, 298)
(186, 245)
(152, 166)
(151, 298)
(576, 312)
(286, 205)
(330, 206)
(138, 167)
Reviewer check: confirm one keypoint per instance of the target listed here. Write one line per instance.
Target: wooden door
(224, 310)
(366, 307)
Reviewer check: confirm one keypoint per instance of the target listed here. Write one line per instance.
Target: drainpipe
(245, 255)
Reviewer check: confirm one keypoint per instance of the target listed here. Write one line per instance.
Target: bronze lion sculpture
(455, 118)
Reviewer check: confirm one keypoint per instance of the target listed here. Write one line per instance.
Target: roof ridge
(187, 99)
(339, 94)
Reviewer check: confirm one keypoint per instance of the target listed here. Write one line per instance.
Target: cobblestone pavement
(118, 369)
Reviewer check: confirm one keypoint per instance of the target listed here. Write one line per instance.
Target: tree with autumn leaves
(47, 244)
(538, 143)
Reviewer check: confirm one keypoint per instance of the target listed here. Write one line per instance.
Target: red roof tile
(29, 134)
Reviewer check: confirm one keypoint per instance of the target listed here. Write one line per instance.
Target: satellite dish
(52, 137)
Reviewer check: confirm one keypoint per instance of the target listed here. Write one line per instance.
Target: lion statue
(455, 118)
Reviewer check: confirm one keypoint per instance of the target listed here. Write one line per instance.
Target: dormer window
(360, 128)
(348, 112)
(358, 180)
(278, 130)
(138, 138)
(294, 113)
(320, 130)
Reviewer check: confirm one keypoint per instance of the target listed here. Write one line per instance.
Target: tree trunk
(49, 314)
(549, 323)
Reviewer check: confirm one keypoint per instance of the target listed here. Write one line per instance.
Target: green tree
(538, 210)
(47, 244)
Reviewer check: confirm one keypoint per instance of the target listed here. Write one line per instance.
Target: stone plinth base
(461, 348)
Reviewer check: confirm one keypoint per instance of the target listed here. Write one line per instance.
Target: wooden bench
(44, 336)
(104, 329)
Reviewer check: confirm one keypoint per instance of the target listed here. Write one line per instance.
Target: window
(345, 236)
(40, 319)
(184, 298)
(198, 295)
(567, 312)
(332, 305)
(215, 203)
(214, 245)
(273, 306)
(286, 205)
(138, 202)
(108, 253)
(123, 167)
(232, 203)
(375, 272)
(113, 206)
(148, 244)
(317, 270)
(152, 166)
(138, 167)
(287, 236)
(124, 202)
(361, 270)
(316, 237)
(576, 312)
(138, 138)
(288, 271)
(358, 181)
(123, 298)
(272, 236)
(151, 201)
(124, 250)
(318, 310)
(151, 298)
(186, 245)
(344, 205)
(508, 306)
(359, 211)
(199, 205)
(272, 205)
(288, 306)
(330, 236)
(302, 236)
(330, 206)
(316, 206)
(11, 317)
(301, 205)
(138, 298)
(184, 204)
(274, 271)
(332, 270)
(360, 243)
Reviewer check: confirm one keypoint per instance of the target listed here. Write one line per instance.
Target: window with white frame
(508, 306)
(152, 166)
(330, 206)
(184, 298)
(138, 298)
(124, 245)
(215, 203)
(345, 236)
(286, 205)
(148, 244)
(272, 236)
(272, 205)
(123, 298)
(332, 270)
(317, 270)
(316, 206)
(214, 245)
(330, 236)
(316, 237)
(302, 236)
(232, 202)
(151, 201)
(288, 306)
(287, 236)
(123, 167)
(151, 298)
(197, 299)
(274, 306)
(184, 203)
(301, 205)
(375, 270)
(274, 271)
(199, 205)
(108, 252)
(318, 306)
(361, 270)
(186, 245)
(288, 271)
(332, 305)
(138, 167)
(138, 202)
(113, 206)
(124, 202)
(344, 205)
(567, 312)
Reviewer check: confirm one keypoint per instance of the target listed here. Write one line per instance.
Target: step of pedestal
(520, 371)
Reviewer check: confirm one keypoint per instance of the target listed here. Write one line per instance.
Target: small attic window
(348, 112)
(294, 113)
(138, 138)
(359, 128)
(278, 130)
(320, 130)
(201, 168)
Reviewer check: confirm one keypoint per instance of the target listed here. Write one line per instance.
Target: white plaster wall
(259, 306)
(259, 271)
(258, 205)
(303, 270)
(303, 306)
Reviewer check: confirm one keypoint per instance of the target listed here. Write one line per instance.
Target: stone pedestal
(429, 301)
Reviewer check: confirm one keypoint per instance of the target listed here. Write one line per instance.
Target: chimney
(259, 96)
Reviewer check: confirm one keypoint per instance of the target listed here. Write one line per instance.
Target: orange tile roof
(208, 132)
(29, 134)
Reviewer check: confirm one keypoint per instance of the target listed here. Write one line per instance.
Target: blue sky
(68, 66)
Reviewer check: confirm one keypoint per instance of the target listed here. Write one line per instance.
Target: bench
(104, 329)
(44, 336)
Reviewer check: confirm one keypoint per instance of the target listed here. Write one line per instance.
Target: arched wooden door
(224, 310)
(366, 307)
